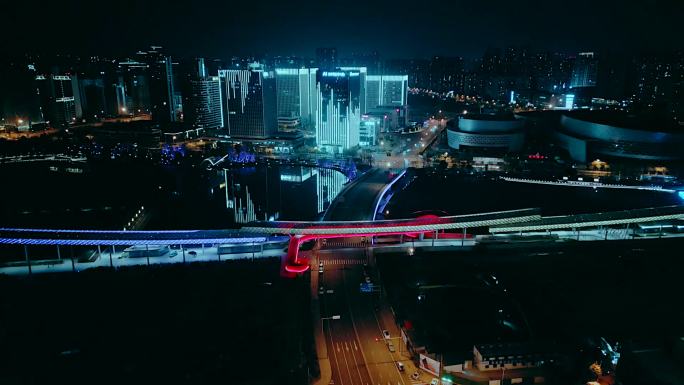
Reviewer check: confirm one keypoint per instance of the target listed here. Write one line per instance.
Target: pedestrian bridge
(498, 222)
(513, 221)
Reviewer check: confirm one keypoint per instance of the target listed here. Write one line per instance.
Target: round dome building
(500, 131)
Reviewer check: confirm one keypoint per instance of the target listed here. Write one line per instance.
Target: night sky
(396, 29)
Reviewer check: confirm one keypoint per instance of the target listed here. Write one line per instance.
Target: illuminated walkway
(115, 258)
(523, 221)
(582, 183)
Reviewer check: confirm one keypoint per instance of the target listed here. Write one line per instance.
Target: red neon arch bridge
(300, 232)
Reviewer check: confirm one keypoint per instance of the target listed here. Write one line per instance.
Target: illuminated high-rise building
(340, 101)
(203, 104)
(249, 102)
(584, 70)
(296, 99)
(206, 104)
(386, 90)
(59, 96)
(386, 96)
(373, 91)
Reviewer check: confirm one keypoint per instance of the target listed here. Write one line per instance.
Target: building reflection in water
(280, 193)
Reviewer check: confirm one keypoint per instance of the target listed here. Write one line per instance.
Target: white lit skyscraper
(249, 102)
(206, 103)
(386, 90)
(205, 107)
(296, 94)
(386, 97)
(339, 106)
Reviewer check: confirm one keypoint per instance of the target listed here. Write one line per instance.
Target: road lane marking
(338, 347)
(356, 333)
(335, 355)
(346, 363)
(346, 346)
(355, 347)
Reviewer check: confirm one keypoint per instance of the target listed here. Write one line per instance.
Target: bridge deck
(413, 225)
(109, 237)
(612, 218)
(498, 222)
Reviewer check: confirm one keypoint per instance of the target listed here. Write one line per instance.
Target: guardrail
(579, 183)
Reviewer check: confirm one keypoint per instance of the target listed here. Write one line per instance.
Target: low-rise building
(483, 131)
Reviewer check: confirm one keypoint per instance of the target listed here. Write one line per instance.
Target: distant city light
(569, 101)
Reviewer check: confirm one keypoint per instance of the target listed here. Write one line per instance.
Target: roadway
(357, 202)
(408, 147)
(357, 353)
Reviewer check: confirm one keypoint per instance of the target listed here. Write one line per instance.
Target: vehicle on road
(321, 290)
(368, 280)
(320, 269)
(193, 253)
(386, 334)
(434, 381)
(400, 366)
(391, 347)
(415, 375)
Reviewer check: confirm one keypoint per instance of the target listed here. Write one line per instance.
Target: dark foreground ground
(626, 292)
(194, 324)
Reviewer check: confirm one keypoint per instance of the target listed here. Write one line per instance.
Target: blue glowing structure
(122, 238)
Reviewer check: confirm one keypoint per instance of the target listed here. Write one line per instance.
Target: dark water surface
(106, 195)
(466, 194)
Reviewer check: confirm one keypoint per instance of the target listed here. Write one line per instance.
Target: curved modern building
(505, 132)
(591, 134)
